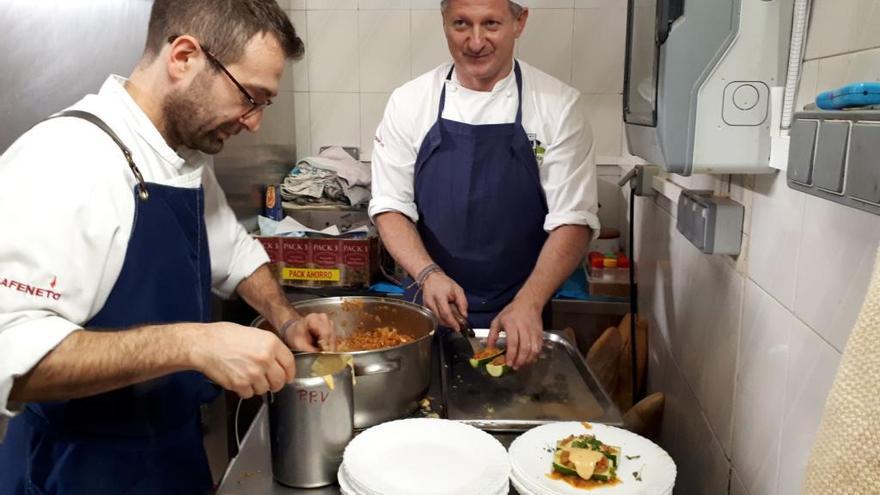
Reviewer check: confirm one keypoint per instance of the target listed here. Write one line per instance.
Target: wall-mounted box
(712, 223)
(835, 155)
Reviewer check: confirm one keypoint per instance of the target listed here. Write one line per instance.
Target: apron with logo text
(144, 438)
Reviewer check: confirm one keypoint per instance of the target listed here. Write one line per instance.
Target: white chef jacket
(67, 211)
(552, 113)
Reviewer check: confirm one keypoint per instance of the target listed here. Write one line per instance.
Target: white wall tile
(808, 86)
(546, 42)
(610, 202)
(277, 126)
(547, 4)
(425, 5)
(838, 70)
(686, 435)
(296, 76)
(837, 253)
(653, 229)
(600, 38)
(372, 108)
(333, 59)
(825, 36)
(833, 72)
(302, 118)
(707, 297)
(842, 26)
(383, 4)
(335, 119)
(429, 47)
(760, 390)
(297, 4)
(605, 114)
(777, 223)
(384, 50)
(332, 4)
(868, 35)
(812, 366)
(600, 4)
(741, 191)
(866, 64)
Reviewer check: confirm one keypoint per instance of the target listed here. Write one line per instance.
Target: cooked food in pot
(368, 340)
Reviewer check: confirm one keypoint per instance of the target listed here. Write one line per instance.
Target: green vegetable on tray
(485, 356)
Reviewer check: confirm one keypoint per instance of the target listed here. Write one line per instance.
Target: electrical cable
(633, 294)
(237, 438)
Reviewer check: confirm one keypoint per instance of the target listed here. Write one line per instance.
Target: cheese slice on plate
(584, 461)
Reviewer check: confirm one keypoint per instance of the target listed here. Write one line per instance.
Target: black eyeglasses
(255, 105)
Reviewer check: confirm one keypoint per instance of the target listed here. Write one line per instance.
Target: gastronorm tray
(557, 387)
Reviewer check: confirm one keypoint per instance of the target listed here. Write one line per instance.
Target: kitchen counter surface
(250, 472)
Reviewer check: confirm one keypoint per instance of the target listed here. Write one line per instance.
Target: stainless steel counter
(250, 472)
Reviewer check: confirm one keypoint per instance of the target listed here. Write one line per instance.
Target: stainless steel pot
(389, 382)
(310, 424)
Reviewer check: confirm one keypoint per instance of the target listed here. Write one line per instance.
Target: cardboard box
(323, 261)
(609, 282)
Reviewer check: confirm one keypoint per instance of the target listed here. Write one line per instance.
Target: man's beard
(186, 117)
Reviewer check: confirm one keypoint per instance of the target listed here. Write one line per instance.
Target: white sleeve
(393, 162)
(568, 172)
(235, 255)
(66, 210)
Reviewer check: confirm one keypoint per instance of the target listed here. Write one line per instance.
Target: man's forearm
(88, 363)
(562, 251)
(400, 237)
(263, 293)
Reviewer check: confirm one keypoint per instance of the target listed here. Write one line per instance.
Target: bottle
(272, 202)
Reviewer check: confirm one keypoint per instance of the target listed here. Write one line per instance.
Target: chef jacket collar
(114, 88)
(501, 85)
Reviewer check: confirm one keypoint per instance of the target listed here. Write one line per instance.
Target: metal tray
(557, 387)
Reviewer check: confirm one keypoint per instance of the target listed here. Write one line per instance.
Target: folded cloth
(307, 184)
(332, 175)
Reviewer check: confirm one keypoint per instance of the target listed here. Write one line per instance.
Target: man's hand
(245, 360)
(439, 293)
(313, 332)
(521, 321)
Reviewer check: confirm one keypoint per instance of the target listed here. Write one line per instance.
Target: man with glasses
(106, 352)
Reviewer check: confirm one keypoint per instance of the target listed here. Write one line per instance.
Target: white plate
(344, 485)
(423, 456)
(531, 457)
(519, 486)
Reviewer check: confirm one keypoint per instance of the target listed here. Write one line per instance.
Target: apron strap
(143, 194)
(518, 74)
(443, 94)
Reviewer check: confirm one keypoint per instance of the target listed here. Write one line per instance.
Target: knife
(461, 341)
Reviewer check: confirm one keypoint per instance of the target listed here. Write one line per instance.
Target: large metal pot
(389, 382)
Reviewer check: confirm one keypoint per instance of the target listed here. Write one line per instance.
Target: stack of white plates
(424, 457)
(644, 468)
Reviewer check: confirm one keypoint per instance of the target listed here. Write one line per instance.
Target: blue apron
(481, 207)
(145, 438)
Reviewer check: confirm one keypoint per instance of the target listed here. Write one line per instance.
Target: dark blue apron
(481, 207)
(145, 438)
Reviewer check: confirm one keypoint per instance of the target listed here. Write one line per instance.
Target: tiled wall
(359, 51)
(746, 349)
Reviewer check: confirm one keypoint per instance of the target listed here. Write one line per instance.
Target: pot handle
(377, 368)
